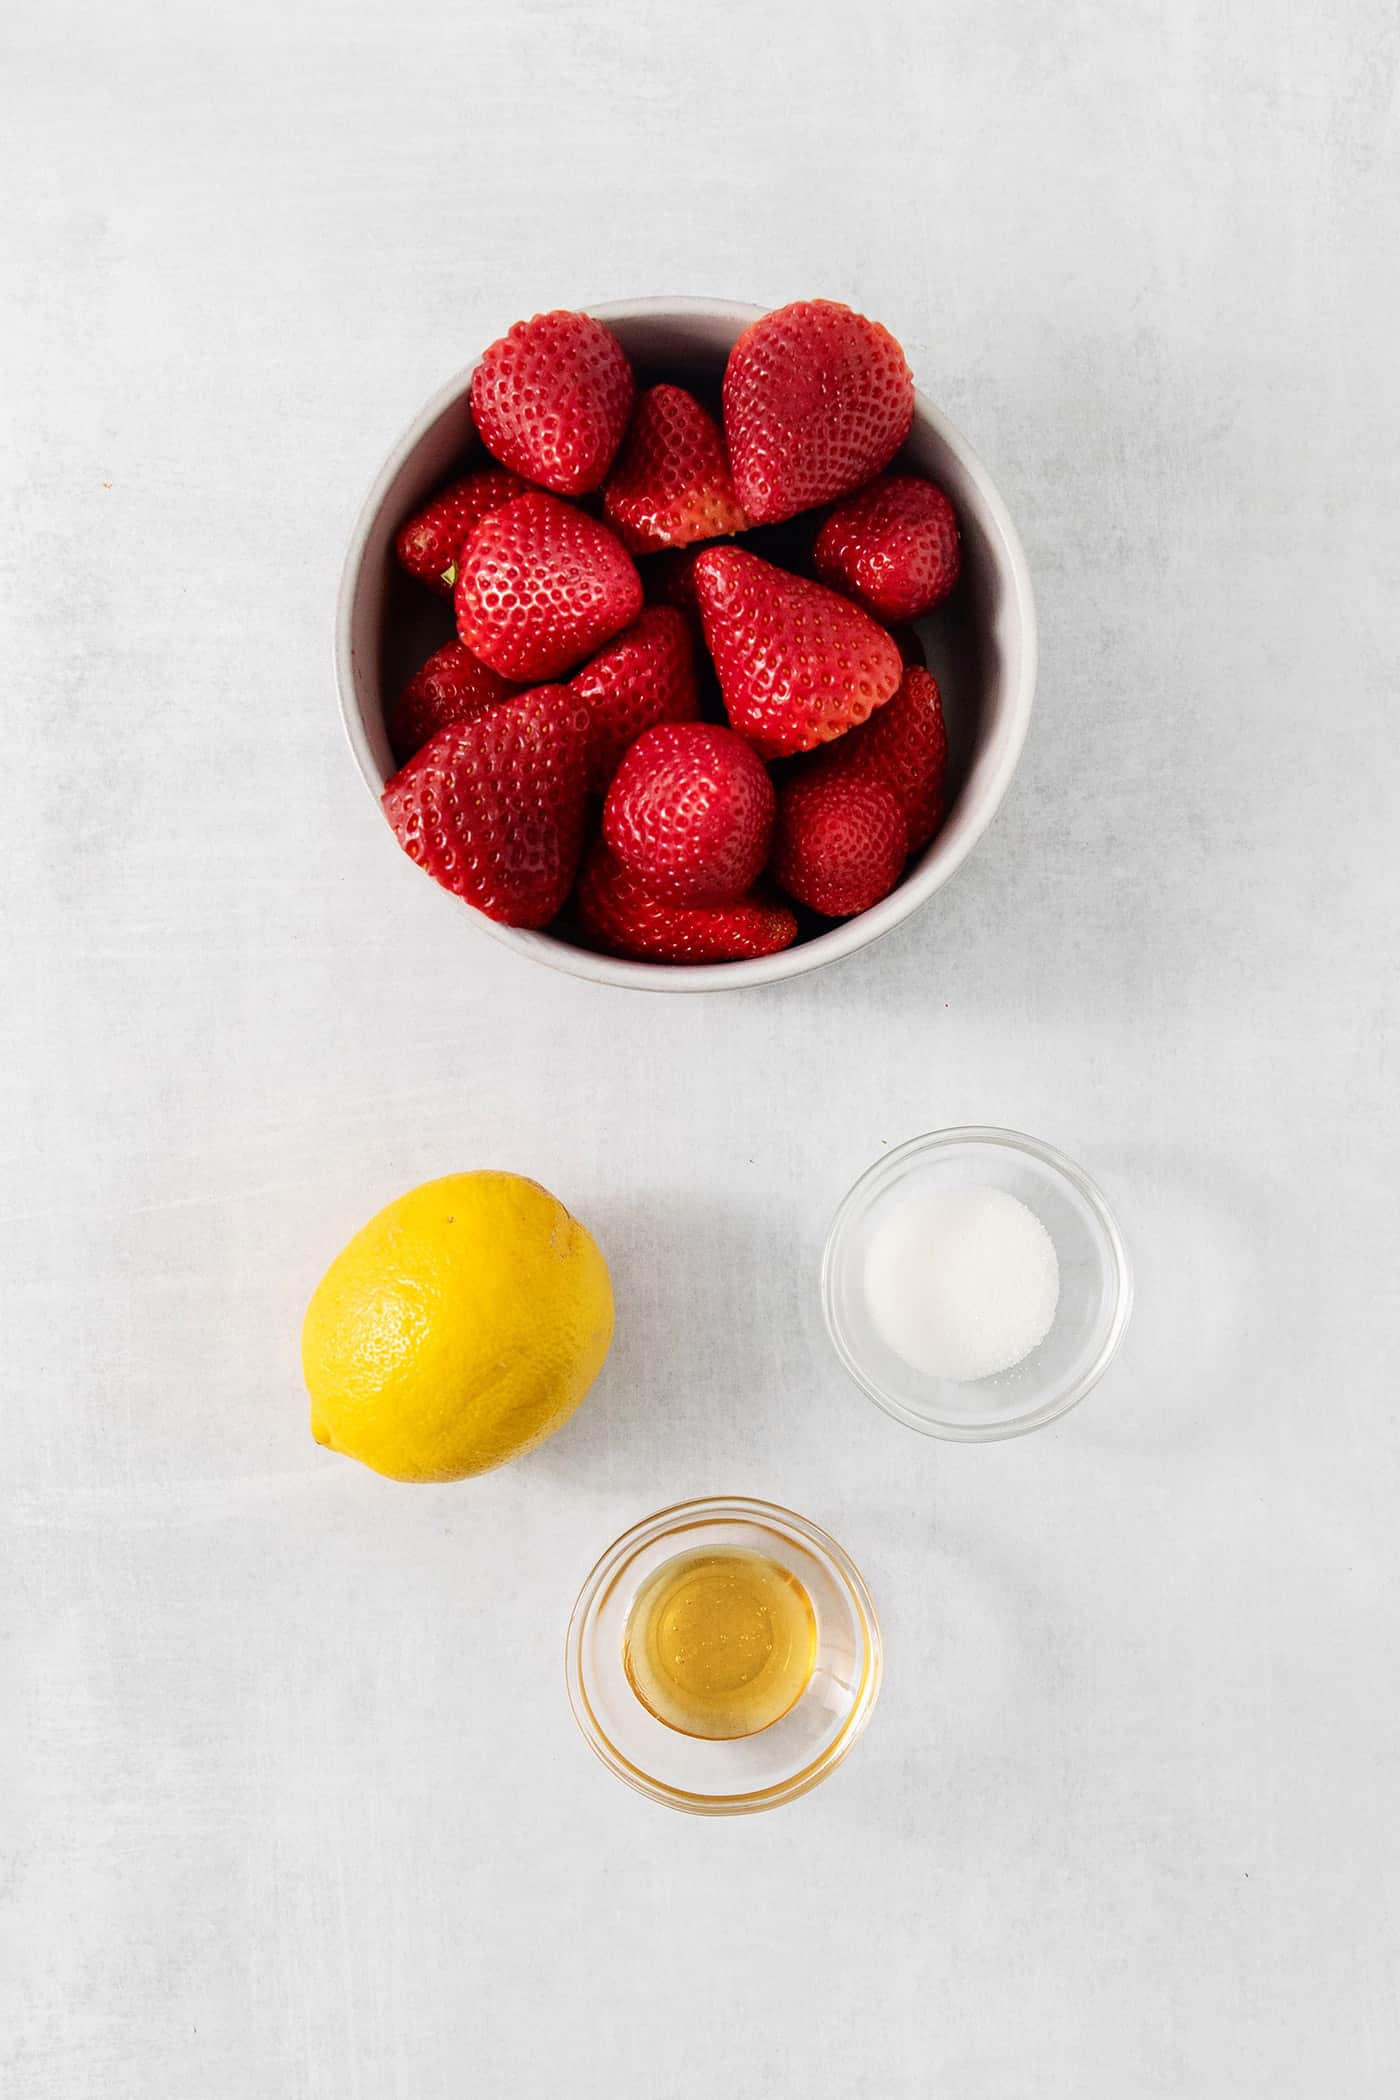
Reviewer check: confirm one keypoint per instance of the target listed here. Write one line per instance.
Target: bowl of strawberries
(684, 644)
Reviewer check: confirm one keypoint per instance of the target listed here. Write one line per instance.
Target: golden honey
(720, 1642)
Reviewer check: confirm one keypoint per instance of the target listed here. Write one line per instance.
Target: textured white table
(292, 1803)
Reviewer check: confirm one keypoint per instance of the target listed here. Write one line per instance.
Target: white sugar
(961, 1282)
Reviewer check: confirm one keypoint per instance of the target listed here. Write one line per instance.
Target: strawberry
(894, 546)
(428, 544)
(817, 400)
(839, 844)
(551, 400)
(451, 687)
(618, 916)
(647, 675)
(906, 746)
(690, 813)
(493, 809)
(670, 484)
(797, 663)
(540, 585)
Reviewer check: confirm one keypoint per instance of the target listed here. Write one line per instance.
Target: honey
(720, 1642)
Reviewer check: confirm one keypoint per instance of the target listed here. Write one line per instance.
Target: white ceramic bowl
(981, 645)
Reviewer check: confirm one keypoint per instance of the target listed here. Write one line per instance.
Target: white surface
(292, 1801)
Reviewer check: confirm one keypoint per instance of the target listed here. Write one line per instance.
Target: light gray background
(292, 1801)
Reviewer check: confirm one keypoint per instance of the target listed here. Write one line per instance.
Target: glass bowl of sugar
(975, 1284)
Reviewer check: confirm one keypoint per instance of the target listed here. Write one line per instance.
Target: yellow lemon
(461, 1327)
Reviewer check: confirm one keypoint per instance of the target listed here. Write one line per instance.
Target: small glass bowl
(745, 1773)
(1096, 1291)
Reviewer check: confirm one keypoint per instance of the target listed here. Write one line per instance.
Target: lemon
(460, 1327)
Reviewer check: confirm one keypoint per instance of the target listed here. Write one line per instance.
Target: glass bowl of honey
(723, 1656)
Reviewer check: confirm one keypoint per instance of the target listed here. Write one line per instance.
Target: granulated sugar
(962, 1283)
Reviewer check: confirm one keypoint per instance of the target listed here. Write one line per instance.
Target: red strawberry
(551, 399)
(617, 915)
(895, 546)
(493, 809)
(428, 544)
(671, 482)
(906, 747)
(817, 400)
(540, 585)
(451, 687)
(797, 663)
(690, 813)
(647, 675)
(839, 844)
